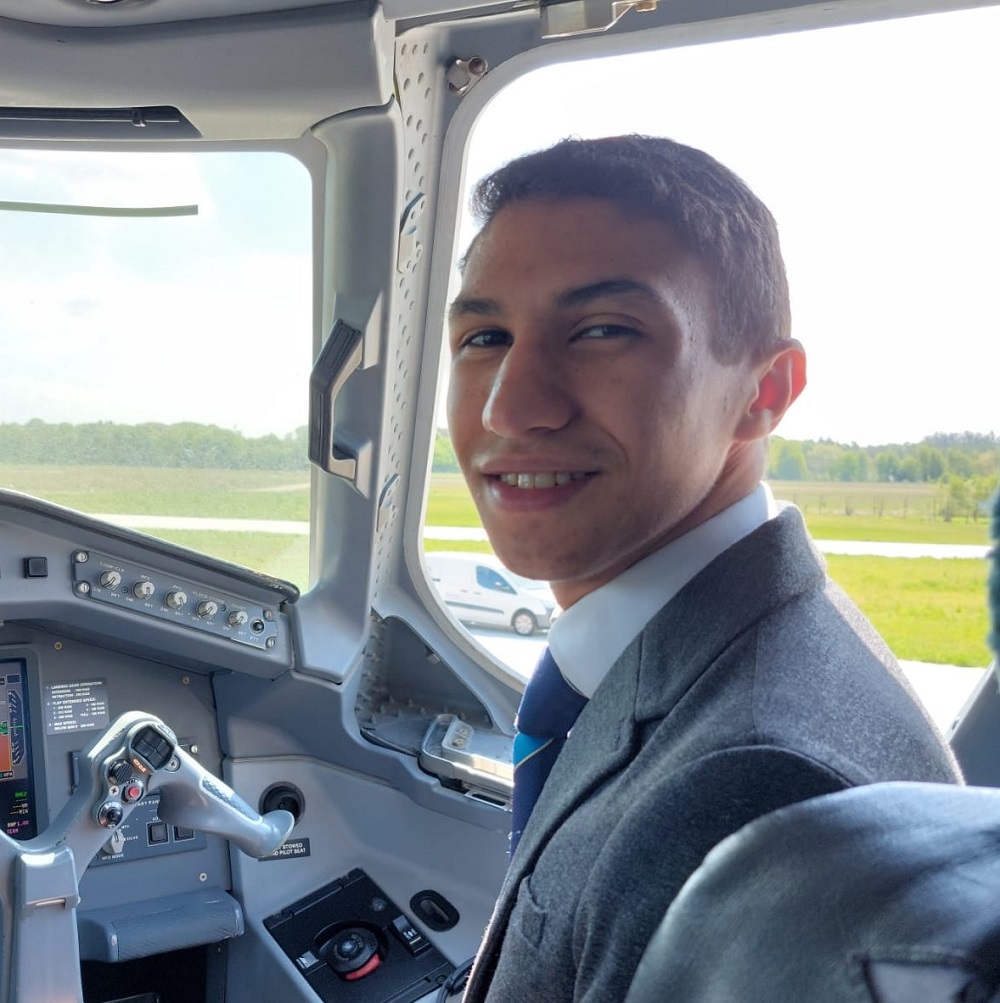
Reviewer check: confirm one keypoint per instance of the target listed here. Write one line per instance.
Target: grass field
(928, 609)
(277, 555)
(223, 494)
(896, 512)
(907, 513)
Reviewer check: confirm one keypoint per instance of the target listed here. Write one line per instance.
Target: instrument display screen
(18, 816)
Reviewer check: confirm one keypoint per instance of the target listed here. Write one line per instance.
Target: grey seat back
(887, 893)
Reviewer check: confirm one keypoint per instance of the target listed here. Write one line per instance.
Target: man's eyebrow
(606, 287)
(477, 307)
(570, 298)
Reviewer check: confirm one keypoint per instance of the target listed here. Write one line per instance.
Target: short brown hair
(709, 209)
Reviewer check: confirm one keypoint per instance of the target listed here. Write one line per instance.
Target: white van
(477, 588)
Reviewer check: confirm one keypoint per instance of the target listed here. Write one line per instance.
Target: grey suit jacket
(760, 684)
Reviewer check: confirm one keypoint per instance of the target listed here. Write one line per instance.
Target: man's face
(588, 414)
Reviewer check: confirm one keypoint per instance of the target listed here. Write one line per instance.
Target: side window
(490, 579)
(885, 236)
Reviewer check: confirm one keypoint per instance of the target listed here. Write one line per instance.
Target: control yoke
(39, 878)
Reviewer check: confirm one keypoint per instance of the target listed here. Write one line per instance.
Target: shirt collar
(587, 638)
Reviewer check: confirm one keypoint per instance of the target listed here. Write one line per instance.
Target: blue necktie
(549, 706)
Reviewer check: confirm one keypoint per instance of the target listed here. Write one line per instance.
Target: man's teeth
(544, 480)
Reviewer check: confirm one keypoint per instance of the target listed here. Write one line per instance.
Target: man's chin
(531, 564)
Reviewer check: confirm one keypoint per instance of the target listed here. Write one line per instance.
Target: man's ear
(779, 380)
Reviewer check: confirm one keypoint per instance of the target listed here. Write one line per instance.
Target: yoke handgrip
(193, 797)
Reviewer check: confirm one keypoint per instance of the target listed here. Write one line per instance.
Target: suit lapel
(760, 572)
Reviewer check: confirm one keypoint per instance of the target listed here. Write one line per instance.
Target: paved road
(866, 547)
(861, 547)
(283, 526)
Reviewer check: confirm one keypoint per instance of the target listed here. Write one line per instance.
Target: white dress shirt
(587, 638)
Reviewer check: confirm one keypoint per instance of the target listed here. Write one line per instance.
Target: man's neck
(732, 487)
(587, 638)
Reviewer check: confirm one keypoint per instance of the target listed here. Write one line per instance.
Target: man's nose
(531, 392)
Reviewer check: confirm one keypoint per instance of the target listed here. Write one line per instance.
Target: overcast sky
(875, 146)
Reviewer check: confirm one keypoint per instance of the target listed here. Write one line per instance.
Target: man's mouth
(540, 480)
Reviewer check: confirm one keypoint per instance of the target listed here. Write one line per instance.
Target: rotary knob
(120, 771)
(238, 618)
(176, 599)
(110, 579)
(110, 814)
(143, 589)
(352, 953)
(207, 608)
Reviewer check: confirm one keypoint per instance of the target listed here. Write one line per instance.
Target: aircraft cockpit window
(156, 344)
(871, 144)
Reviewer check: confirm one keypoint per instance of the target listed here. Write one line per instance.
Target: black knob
(349, 950)
(348, 947)
(111, 813)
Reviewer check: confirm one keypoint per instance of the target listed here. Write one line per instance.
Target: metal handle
(340, 356)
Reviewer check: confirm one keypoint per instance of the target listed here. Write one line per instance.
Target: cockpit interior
(262, 760)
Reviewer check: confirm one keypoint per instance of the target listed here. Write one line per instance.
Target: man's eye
(606, 331)
(490, 338)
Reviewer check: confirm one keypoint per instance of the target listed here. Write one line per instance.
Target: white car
(477, 588)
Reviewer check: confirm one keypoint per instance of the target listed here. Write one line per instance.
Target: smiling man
(621, 350)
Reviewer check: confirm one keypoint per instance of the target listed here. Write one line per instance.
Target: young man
(620, 352)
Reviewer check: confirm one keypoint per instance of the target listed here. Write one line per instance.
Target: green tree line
(932, 460)
(185, 444)
(965, 466)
